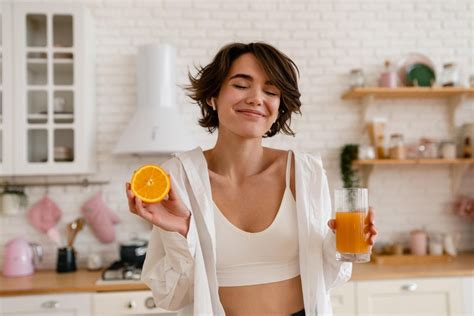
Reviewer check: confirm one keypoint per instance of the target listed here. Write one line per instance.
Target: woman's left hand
(369, 227)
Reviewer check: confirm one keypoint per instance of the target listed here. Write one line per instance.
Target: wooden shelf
(407, 92)
(414, 162)
(458, 167)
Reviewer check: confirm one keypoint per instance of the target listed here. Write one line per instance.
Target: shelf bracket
(367, 100)
(454, 103)
(457, 171)
(365, 171)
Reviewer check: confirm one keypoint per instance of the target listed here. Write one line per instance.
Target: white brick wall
(326, 39)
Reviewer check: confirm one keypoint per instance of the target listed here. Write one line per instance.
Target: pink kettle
(20, 257)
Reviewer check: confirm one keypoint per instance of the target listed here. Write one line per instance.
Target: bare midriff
(277, 298)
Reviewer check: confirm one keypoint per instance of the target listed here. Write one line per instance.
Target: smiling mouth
(251, 113)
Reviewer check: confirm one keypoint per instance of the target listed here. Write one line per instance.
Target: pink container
(418, 242)
(388, 79)
(18, 258)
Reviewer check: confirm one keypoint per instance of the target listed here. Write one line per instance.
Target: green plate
(420, 75)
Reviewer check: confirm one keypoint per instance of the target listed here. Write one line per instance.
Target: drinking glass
(351, 205)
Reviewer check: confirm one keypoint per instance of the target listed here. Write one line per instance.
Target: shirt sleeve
(168, 269)
(336, 272)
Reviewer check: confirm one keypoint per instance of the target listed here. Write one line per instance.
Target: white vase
(11, 204)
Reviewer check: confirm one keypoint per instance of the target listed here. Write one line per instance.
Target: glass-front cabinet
(6, 78)
(53, 90)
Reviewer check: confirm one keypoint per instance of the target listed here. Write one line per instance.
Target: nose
(255, 98)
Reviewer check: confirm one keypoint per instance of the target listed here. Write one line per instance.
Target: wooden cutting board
(409, 259)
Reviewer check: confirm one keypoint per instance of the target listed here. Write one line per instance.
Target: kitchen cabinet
(6, 91)
(126, 303)
(454, 96)
(343, 299)
(447, 296)
(46, 305)
(47, 92)
(441, 296)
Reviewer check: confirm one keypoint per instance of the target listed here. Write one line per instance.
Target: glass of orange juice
(351, 205)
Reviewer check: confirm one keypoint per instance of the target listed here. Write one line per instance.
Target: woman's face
(247, 104)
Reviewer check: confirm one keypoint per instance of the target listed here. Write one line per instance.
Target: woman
(245, 228)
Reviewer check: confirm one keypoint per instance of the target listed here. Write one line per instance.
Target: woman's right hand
(170, 214)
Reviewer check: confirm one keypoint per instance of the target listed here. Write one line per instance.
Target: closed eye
(239, 86)
(271, 93)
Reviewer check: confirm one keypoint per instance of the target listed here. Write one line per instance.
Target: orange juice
(350, 237)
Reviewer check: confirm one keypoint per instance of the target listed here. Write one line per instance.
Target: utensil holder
(66, 260)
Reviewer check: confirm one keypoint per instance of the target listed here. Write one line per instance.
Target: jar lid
(447, 142)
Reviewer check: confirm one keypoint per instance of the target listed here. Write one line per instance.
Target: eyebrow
(250, 78)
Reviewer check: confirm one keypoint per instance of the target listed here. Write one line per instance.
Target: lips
(252, 113)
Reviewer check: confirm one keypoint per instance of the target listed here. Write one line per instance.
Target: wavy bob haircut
(281, 70)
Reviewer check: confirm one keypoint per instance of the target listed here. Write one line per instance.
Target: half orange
(150, 183)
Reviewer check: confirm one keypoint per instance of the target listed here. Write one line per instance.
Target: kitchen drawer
(126, 303)
(46, 305)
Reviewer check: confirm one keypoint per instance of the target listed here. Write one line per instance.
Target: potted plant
(349, 176)
(13, 200)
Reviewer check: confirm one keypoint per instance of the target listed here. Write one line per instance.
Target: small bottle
(467, 150)
(450, 75)
(388, 78)
(380, 148)
(357, 78)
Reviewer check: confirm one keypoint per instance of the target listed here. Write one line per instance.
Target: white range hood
(157, 126)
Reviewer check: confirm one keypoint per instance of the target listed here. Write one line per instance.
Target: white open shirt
(181, 272)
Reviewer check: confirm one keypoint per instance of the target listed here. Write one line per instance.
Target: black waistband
(300, 313)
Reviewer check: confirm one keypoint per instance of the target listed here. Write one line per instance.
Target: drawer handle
(150, 303)
(410, 287)
(51, 304)
(132, 305)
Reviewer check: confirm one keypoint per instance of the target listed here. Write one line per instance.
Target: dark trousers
(300, 313)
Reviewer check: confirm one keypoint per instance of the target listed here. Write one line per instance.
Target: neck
(236, 157)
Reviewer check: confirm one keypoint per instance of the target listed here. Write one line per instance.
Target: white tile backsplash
(326, 39)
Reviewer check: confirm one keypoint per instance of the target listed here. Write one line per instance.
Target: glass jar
(357, 78)
(450, 75)
(448, 150)
(397, 147)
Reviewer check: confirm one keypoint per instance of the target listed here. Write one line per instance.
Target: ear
(211, 103)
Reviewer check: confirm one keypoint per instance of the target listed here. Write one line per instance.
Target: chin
(248, 133)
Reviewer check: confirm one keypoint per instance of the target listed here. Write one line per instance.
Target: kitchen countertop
(462, 265)
(49, 281)
(46, 282)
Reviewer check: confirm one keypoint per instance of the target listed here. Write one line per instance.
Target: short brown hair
(282, 71)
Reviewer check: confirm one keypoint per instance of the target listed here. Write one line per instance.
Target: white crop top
(271, 255)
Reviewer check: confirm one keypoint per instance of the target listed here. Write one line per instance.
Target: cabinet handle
(132, 305)
(150, 303)
(51, 304)
(410, 287)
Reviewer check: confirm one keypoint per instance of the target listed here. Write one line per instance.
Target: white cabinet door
(6, 91)
(343, 299)
(46, 305)
(429, 297)
(126, 303)
(52, 90)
